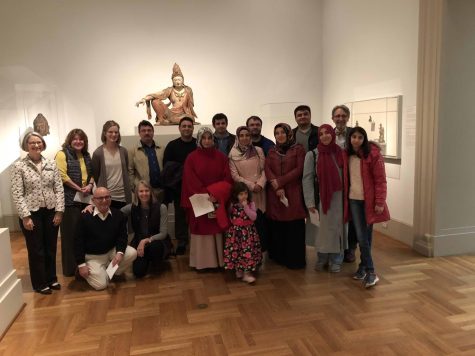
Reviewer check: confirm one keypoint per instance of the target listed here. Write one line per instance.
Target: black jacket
(230, 144)
(312, 139)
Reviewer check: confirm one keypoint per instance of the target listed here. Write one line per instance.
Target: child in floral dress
(242, 249)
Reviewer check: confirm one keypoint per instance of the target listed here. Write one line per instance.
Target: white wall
(236, 55)
(456, 168)
(92, 60)
(370, 51)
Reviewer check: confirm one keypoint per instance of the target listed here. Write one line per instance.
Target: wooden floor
(420, 307)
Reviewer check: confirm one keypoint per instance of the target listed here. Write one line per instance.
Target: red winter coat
(288, 171)
(374, 184)
(203, 168)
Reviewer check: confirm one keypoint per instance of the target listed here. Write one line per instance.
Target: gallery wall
(89, 61)
(455, 219)
(370, 51)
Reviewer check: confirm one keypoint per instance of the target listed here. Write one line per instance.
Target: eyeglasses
(107, 197)
(344, 116)
(37, 143)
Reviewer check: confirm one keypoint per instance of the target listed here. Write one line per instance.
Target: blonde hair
(107, 125)
(153, 198)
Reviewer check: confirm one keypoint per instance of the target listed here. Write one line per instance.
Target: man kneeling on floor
(102, 238)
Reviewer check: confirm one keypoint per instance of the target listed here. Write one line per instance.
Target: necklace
(35, 161)
(179, 94)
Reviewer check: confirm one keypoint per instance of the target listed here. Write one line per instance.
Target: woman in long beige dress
(247, 163)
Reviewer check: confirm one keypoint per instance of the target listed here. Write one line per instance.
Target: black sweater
(97, 237)
(177, 150)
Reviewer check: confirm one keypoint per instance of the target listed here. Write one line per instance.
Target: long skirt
(287, 243)
(206, 251)
(242, 249)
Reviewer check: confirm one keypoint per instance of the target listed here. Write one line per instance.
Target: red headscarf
(329, 180)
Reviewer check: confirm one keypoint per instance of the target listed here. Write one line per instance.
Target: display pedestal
(163, 135)
(11, 297)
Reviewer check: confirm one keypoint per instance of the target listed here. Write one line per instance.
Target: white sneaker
(248, 278)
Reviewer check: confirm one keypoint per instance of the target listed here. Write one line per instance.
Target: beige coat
(138, 166)
(251, 172)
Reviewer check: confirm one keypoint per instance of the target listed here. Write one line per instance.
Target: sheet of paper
(284, 201)
(314, 218)
(201, 204)
(111, 269)
(79, 197)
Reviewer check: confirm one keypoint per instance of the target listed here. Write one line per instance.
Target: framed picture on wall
(382, 120)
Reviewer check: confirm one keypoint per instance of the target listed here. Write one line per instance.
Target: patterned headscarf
(200, 134)
(241, 152)
(282, 148)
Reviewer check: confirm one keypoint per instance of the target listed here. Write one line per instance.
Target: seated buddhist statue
(180, 102)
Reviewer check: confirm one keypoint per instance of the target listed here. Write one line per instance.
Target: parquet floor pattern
(420, 307)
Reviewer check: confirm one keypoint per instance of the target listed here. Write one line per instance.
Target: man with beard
(174, 158)
(254, 123)
(305, 133)
(145, 160)
(223, 140)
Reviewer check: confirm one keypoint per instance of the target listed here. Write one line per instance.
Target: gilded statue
(180, 99)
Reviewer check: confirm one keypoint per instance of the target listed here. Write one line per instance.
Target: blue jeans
(364, 234)
(329, 258)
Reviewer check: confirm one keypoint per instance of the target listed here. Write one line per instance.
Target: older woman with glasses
(206, 171)
(38, 196)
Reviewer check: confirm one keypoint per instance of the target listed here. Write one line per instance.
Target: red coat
(288, 171)
(203, 168)
(374, 184)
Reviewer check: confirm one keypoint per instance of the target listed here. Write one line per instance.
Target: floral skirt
(242, 248)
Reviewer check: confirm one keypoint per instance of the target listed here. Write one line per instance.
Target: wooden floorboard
(421, 306)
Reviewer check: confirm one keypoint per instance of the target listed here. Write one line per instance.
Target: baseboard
(11, 301)
(454, 243)
(424, 245)
(11, 221)
(397, 230)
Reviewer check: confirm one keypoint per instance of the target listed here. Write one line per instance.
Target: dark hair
(186, 118)
(70, 137)
(364, 146)
(107, 125)
(145, 123)
(239, 187)
(219, 116)
(302, 108)
(342, 107)
(253, 118)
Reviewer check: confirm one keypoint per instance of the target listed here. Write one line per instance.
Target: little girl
(367, 197)
(242, 249)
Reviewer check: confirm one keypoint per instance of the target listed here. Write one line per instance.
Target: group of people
(264, 194)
